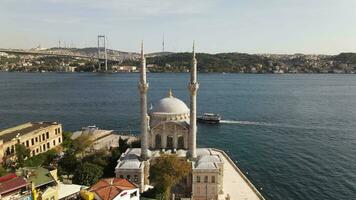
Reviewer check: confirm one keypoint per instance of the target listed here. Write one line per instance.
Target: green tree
(2, 170)
(21, 154)
(67, 141)
(109, 169)
(42, 159)
(68, 164)
(88, 174)
(81, 143)
(166, 172)
(123, 145)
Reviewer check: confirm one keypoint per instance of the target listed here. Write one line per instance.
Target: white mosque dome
(170, 105)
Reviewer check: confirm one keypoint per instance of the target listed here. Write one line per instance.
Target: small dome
(170, 105)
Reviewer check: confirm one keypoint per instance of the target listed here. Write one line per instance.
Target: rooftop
(11, 182)
(66, 190)
(39, 176)
(108, 189)
(23, 129)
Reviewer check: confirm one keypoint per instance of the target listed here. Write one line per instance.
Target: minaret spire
(143, 87)
(193, 88)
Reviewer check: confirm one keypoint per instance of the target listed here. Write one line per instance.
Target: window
(213, 179)
(205, 179)
(48, 145)
(44, 147)
(59, 140)
(134, 194)
(47, 135)
(55, 131)
(136, 178)
(43, 137)
(59, 130)
(32, 141)
(27, 143)
(128, 177)
(37, 150)
(33, 152)
(198, 179)
(36, 139)
(8, 151)
(40, 148)
(39, 138)
(54, 142)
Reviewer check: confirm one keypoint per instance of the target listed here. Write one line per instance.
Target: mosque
(170, 128)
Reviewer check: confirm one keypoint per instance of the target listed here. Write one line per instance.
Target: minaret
(193, 88)
(143, 87)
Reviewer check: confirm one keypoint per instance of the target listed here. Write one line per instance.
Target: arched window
(158, 141)
(180, 142)
(169, 142)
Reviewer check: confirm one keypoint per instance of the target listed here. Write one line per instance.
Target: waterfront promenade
(236, 185)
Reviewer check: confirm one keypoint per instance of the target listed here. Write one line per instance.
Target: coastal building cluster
(88, 159)
(177, 62)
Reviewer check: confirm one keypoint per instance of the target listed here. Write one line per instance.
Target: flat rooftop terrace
(236, 184)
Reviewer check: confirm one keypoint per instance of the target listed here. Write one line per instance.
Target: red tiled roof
(7, 177)
(12, 184)
(108, 189)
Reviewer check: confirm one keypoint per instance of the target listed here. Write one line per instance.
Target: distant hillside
(93, 52)
(348, 58)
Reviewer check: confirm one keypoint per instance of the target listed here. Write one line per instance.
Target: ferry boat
(210, 118)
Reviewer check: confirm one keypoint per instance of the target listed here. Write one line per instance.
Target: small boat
(209, 118)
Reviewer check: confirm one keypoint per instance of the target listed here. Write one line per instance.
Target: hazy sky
(251, 26)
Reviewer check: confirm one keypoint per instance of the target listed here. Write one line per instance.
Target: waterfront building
(169, 127)
(38, 137)
(102, 139)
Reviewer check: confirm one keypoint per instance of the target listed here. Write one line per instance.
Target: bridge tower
(102, 41)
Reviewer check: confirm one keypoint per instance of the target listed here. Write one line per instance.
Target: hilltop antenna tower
(102, 41)
(163, 43)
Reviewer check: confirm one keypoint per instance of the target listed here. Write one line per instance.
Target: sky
(247, 26)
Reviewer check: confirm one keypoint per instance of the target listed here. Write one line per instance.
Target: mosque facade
(170, 128)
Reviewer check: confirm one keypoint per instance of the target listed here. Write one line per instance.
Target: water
(293, 135)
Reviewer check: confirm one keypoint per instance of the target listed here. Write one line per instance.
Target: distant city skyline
(249, 26)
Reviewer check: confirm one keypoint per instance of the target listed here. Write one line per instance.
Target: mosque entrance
(169, 142)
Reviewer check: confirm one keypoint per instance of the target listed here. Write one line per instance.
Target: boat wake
(284, 125)
(245, 123)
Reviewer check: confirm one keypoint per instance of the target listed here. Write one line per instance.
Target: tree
(81, 143)
(166, 172)
(88, 174)
(21, 154)
(67, 141)
(109, 169)
(123, 145)
(2, 171)
(68, 164)
(42, 159)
